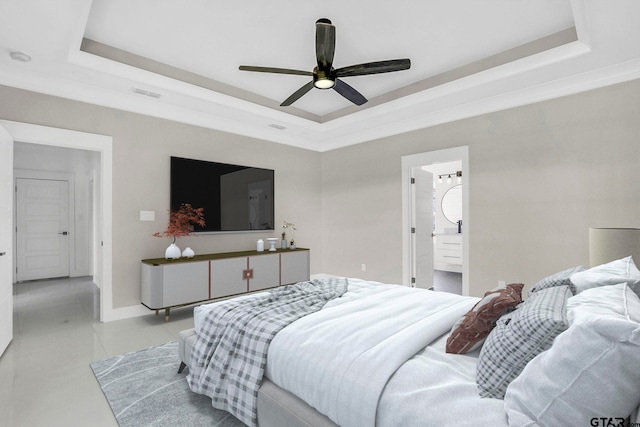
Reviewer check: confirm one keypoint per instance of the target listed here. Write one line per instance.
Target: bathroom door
(6, 218)
(422, 228)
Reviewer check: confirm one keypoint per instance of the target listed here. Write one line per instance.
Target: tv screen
(234, 197)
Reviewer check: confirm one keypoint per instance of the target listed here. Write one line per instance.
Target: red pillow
(471, 330)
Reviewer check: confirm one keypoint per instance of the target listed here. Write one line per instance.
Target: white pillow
(615, 300)
(591, 371)
(620, 271)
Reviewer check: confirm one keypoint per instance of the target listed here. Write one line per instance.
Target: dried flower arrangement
(182, 221)
(293, 228)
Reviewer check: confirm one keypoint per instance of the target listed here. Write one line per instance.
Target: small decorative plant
(182, 221)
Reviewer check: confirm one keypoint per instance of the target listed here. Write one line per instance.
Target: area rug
(144, 388)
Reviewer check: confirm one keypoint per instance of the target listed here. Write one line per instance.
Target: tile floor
(45, 378)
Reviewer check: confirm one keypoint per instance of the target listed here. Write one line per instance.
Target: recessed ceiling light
(20, 56)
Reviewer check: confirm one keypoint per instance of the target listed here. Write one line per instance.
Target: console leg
(166, 314)
(182, 366)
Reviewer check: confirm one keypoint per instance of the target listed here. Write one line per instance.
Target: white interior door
(6, 216)
(42, 232)
(422, 227)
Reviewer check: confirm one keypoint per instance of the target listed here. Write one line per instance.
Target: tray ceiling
(179, 60)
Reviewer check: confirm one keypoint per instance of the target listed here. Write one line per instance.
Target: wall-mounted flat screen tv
(234, 197)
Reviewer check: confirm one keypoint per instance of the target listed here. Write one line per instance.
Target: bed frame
(276, 406)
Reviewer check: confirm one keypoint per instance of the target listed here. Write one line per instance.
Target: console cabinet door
(294, 267)
(152, 285)
(266, 271)
(185, 283)
(227, 277)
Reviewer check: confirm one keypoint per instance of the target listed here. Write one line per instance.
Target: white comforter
(432, 388)
(340, 359)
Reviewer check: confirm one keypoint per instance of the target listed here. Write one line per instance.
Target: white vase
(172, 252)
(188, 253)
(272, 243)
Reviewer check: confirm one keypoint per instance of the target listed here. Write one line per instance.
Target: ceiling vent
(146, 92)
(20, 56)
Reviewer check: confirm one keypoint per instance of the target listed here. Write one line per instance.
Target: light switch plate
(147, 215)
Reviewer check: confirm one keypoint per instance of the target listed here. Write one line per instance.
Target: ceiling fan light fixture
(323, 79)
(325, 83)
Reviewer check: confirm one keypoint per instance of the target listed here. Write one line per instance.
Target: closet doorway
(435, 198)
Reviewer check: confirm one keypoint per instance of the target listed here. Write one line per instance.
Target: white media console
(168, 284)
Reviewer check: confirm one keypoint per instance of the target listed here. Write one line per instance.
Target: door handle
(64, 233)
(3, 253)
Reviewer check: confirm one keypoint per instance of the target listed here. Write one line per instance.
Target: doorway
(101, 191)
(446, 193)
(431, 242)
(54, 220)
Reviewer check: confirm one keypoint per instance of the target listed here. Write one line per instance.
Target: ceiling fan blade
(325, 43)
(349, 92)
(297, 94)
(275, 70)
(374, 68)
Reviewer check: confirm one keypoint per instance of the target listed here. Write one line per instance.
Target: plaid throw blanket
(230, 353)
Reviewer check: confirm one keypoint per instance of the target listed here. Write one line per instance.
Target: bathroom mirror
(451, 204)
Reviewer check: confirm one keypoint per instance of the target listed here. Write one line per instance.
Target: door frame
(55, 176)
(44, 135)
(427, 158)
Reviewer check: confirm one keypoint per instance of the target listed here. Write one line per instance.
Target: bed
(388, 355)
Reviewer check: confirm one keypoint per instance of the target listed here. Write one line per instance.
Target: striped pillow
(519, 336)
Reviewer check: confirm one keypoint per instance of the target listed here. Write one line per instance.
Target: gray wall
(540, 176)
(142, 147)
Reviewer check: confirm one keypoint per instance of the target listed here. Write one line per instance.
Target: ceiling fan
(327, 77)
